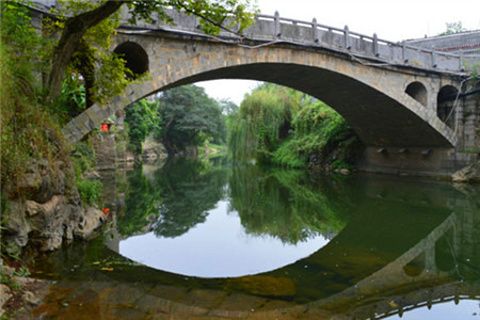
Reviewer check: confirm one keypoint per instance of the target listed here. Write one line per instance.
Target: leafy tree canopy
(264, 119)
(86, 28)
(286, 127)
(141, 117)
(454, 27)
(192, 189)
(189, 117)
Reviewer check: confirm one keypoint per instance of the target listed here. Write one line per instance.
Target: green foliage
(73, 97)
(318, 130)
(288, 155)
(285, 127)
(188, 118)
(84, 160)
(28, 130)
(174, 200)
(20, 48)
(285, 204)
(181, 118)
(263, 121)
(191, 189)
(86, 28)
(90, 191)
(104, 72)
(453, 27)
(228, 107)
(142, 117)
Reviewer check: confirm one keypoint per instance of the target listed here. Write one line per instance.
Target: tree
(454, 27)
(286, 204)
(189, 117)
(143, 198)
(285, 127)
(214, 15)
(141, 118)
(263, 121)
(191, 189)
(229, 107)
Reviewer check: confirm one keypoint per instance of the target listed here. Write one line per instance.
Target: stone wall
(471, 120)
(466, 41)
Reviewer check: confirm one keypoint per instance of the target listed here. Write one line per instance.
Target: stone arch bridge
(406, 103)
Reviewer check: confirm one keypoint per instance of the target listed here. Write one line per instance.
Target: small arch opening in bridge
(415, 267)
(417, 91)
(135, 56)
(445, 105)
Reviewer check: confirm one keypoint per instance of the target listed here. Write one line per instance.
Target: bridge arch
(418, 91)
(135, 56)
(446, 98)
(371, 99)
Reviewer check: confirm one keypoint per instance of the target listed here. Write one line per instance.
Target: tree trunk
(86, 66)
(75, 29)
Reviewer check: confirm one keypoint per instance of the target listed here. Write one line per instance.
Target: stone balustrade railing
(366, 49)
(371, 49)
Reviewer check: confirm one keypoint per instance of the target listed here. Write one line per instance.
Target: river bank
(21, 294)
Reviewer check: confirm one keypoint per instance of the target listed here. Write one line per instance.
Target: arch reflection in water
(219, 247)
(206, 227)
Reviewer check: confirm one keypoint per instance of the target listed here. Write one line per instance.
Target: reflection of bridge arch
(379, 294)
(393, 276)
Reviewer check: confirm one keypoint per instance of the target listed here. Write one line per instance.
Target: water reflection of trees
(287, 204)
(175, 200)
(191, 188)
(142, 199)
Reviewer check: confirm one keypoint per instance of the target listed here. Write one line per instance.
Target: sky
(392, 20)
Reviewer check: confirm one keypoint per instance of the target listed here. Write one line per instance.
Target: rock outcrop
(470, 173)
(5, 294)
(50, 210)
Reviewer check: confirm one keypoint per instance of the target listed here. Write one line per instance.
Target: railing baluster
(461, 67)
(277, 24)
(315, 30)
(347, 38)
(375, 45)
(404, 52)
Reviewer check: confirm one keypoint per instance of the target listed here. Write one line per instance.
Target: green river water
(209, 240)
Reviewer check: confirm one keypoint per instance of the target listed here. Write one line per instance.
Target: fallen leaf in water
(107, 269)
(392, 304)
